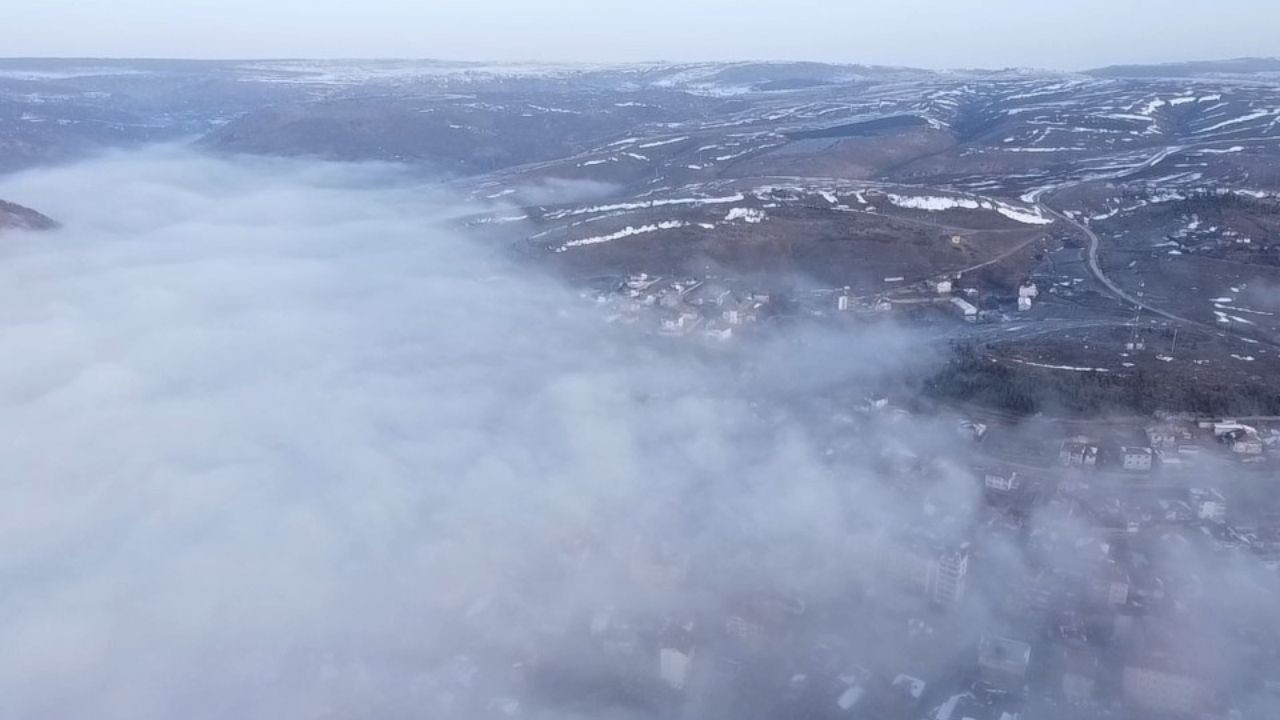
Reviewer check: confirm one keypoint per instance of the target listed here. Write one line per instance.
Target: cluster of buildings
(686, 306)
(1120, 586)
(1064, 591)
(1174, 445)
(1091, 624)
(722, 309)
(942, 293)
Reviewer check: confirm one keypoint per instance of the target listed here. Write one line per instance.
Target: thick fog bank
(278, 444)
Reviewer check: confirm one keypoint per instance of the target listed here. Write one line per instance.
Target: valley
(1139, 203)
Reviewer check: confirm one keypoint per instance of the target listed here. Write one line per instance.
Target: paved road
(1095, 267)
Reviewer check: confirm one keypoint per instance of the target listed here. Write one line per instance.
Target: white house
(1078, 452)
(966, 309)
(1136, 459)
(1166, 436)
(1000, 483)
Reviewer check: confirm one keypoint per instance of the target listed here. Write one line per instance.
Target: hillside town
(724, 308)
(886, 393)
(1062, 589)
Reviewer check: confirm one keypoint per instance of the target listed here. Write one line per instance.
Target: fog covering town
(279, 442)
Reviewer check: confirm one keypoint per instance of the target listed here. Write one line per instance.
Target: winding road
(1095, 267)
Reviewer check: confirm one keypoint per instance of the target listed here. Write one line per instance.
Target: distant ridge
(1237, 66)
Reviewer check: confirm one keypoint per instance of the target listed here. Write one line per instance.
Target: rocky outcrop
(13, 216)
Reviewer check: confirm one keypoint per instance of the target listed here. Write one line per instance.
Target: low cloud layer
(279, 444)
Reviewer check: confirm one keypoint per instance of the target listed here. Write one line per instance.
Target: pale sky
(1066, 34)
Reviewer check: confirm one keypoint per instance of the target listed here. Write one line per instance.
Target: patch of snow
(647, 204)
(660, 143)
(1129, 116)
(1023, 216)
(501, 219)
(750, 215)
(938, 203)
(735, 156)
(932, 203)
(1236, 121)
(1152, 106)
(1226, 319)
(1247, 311)
(558, 111)
(1062, 367)
(69, 74)
(626, 232)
